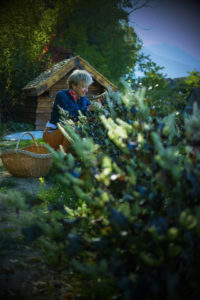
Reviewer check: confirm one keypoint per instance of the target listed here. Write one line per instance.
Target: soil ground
(24, 274)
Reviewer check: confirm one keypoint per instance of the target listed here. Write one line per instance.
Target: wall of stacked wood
(38, 109)
(45, 102)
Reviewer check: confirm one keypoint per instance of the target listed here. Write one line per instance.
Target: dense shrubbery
(22, 41)
(126, 211)
(138, 175)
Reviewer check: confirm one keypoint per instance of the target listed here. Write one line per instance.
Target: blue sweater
(65, 101)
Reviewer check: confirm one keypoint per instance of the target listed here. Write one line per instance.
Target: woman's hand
(90, 107)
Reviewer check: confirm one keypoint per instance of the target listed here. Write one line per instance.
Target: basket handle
(34, 141)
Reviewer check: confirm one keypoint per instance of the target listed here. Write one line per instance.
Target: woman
(71, 100)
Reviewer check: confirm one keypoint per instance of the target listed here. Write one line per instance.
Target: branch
(137, 5)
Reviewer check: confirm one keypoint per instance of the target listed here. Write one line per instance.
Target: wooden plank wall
(94, 90)
(45, 103)
(43, 111)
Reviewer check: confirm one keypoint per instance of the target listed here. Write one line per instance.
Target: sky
(174, 22)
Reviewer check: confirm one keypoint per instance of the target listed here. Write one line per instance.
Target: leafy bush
(192, 126)
(134, 230)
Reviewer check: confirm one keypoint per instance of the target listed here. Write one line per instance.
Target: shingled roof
(49, 77)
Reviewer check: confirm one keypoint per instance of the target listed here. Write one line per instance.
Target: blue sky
(173, 22)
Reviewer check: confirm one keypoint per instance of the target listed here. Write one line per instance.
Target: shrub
(139, 181)
(134, 229)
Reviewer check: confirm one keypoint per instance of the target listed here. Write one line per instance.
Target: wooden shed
(40, 92)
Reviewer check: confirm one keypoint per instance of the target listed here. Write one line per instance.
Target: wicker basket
(32, 161)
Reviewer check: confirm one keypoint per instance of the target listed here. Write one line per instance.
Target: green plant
(138, 222)
(192, 126)
(16, 126)
(55, 197)
(134, 231)
(8, 183)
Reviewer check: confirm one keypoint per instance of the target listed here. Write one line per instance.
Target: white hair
(79, 77)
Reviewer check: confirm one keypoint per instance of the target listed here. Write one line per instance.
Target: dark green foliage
(31, 233)
(132, 228)
(25, 28)
(138, 231)
(7, 183)
(99, 32)
(12, 126)
(165, 95)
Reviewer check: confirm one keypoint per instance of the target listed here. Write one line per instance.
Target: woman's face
(80, 89)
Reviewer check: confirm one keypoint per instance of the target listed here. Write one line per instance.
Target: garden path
(29, 185)
(24, 275)
(23, 272)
